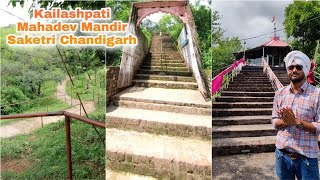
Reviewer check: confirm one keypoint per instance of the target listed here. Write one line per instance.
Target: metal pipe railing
(68, 117)
(227, 79)
(276, 84)
(317, 77)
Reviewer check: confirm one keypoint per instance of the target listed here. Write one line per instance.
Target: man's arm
(289, 118)
(276, 120)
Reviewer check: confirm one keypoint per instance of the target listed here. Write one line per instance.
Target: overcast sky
(247, 19)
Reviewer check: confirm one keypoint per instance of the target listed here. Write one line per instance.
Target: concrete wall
(132, 56)
(191, 54)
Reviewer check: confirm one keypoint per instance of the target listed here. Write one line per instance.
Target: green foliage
(83, 59)
(223, 54)
(202, 18)
(120, 10)
(40, 104)
(86, 88)
(13, 95)
(302, 24)
(27, 68)
(171, 24)
(114, 57)
(46, 154)
(148, 28)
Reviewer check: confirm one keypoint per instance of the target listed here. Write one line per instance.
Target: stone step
(240, 145)
(241, 112)
(234, 131)
(173, 54)
(251, 74)
(163, 107)
(243, 99)
(247, 94)
(164, 68)
(248, 81)
(249, 84)
(216, 105)
(235, 85)
(149, 63)
(251, 71)
(251, 78)
(175, 73)
(159, 156)
(165, 84)
(176, 97)
(165, 48)
(251, 89)
(262, 80)
(159, 122)
(164, 60)
(252, 82)
(165, 78)
(240, 120)
(126, 176)
(256, 68)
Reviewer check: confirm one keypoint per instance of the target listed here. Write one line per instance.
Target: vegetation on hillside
(42, 154)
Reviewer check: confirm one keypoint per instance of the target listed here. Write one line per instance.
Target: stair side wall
(191, 55)
(132, 56)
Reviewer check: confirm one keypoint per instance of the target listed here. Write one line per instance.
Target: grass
(88, 89)
(43, 104)
(45, 153)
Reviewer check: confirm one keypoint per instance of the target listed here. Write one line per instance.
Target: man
(296, 116)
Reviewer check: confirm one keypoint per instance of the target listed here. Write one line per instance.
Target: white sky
(250, 18)
(7, 19)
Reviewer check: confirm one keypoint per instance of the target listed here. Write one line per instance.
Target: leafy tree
(171, 24)
(223, 54)
(150, 26)
(302, 24)
(217, 31)
(202, 18)
(9, 97)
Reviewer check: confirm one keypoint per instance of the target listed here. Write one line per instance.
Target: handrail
(317, 77)
(276, 84)
(224, 77)
(68, 117)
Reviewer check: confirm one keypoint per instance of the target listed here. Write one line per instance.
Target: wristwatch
(299, 126)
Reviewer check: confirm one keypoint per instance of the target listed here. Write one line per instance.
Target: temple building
(274, 52)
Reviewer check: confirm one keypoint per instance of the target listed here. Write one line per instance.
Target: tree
(11, 99)
(223, 48)
(171, 24)
(302, 23)
(223, 54)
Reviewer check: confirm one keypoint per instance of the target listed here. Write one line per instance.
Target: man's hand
(288, 116)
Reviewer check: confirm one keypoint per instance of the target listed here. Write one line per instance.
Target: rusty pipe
(85, 119)
(14, 116)
(68, 146)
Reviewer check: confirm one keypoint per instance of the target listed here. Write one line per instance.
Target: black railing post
(68, 146)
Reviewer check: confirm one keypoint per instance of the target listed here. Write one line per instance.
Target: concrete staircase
(282, 75)
(164, 69)
(161, 127)
(241, 115)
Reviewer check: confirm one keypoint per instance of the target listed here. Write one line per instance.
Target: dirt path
(29, 125)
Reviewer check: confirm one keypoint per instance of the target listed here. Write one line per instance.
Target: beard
(297, 79)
